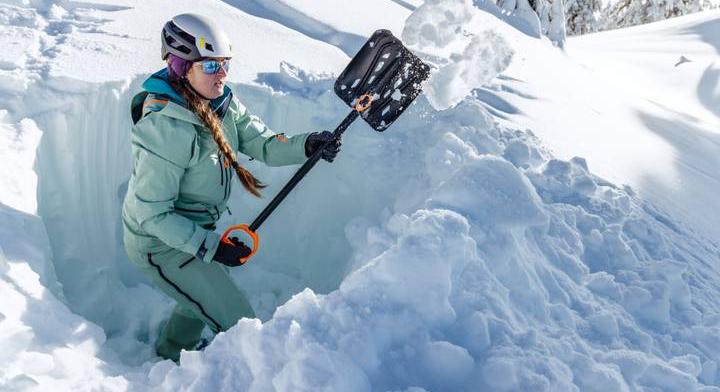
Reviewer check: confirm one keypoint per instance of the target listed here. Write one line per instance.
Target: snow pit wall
(84, 162)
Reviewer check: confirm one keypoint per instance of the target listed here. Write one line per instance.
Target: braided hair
(202, 109)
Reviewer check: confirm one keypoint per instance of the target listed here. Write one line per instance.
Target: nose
(222, 72)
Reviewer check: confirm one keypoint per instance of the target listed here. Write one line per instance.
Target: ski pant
(205, 295)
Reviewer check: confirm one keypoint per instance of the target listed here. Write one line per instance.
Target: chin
(216, 92)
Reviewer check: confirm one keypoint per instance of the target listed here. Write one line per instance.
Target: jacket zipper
(227, 184)
(222, 170)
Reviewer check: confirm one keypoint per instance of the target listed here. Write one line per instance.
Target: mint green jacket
(179, 186)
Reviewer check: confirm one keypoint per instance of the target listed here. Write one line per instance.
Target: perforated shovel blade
(386, 71)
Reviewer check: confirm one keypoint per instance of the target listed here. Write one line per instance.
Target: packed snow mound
(457, 252)
(507, 270)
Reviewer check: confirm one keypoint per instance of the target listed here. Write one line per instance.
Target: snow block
(491, 191)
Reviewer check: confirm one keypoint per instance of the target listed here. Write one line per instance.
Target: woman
(187, 129)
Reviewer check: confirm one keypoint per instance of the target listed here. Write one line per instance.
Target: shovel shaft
(300, 174)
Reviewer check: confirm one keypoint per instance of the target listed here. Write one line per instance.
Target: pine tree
(546, 15)
(556, 18)
(626, 13)
(583, 16)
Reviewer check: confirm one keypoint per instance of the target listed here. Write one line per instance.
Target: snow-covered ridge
(625, 102)
(458, 254)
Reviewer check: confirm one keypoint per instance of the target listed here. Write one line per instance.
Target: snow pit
(456, 254)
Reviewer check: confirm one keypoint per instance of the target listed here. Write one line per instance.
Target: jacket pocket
(193, 210)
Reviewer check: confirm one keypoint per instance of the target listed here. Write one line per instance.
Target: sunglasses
(211, 67)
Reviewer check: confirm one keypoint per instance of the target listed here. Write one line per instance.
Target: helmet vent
(187, 37)
(209, 47)
(183, 49)
(169, 39)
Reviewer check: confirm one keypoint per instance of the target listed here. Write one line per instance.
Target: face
(210, 86)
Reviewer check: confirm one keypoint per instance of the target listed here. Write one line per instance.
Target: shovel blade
(385, 70)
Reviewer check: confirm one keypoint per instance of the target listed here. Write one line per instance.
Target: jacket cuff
(303, 140)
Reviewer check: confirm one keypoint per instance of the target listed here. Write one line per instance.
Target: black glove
(316, 140)
(230, 255)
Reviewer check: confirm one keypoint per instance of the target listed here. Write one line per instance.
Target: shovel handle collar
(363, 103)
(245, 228)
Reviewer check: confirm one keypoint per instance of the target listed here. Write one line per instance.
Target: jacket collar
(159, 85)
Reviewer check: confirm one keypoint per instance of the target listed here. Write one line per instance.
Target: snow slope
(342, 24)
(458, 252)
(627, 102)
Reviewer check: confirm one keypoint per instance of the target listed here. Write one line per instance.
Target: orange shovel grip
(246, 229)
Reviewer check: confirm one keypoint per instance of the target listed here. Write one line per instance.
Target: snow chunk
(464, 60)
(426, 242)
(437, 23)
(292, 78)
(490, 189)
(500, 374)
(397, 95)
(445, 365)
(482, 60)
(19, 45)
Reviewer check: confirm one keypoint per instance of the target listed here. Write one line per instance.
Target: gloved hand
(230, 255)
(316, 140)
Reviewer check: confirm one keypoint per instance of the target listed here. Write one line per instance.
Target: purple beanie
(177, 67)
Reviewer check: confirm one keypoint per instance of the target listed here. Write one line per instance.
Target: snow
(618, 100)
(433, 30)
(486, 241)
(343, 24)
(44, 345)
(18, 143)
(82, 44)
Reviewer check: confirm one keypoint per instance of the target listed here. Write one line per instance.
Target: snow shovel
(380, 82)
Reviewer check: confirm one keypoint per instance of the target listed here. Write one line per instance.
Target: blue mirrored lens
(211, 67)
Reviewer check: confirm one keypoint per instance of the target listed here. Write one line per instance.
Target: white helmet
(192, 36)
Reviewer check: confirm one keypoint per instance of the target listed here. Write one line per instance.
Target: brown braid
(202, 109)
